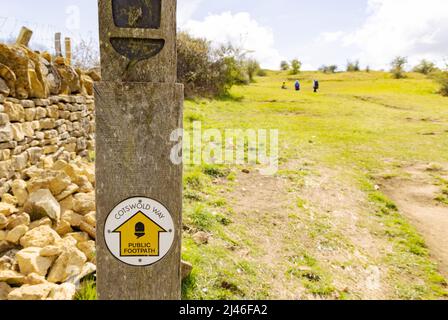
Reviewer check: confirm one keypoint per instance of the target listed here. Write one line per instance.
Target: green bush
(353, 66)
(442, 79)
(398, 67)
(328, 69)
(425, 67)
(284, 65)
(208, 72)
(296, 65)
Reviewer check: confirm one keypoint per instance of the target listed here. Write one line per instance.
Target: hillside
(341, 218)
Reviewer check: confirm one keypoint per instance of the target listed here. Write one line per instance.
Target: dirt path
(415, 197)
(319, 216)
(261, 204)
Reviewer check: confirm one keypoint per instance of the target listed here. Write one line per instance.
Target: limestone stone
(65, 291)
(63, 227)
(41, 113)
(18, 219)
(50, 149)
(30, 114)
(31, 261)
(88, 269)
(27, 128)
(59, 183)
(7, 209)
(66, 204)
(11, 277)
(41, 203)
(42, 222)
(6, 133)
(87, 228)
(41, 237)
(19, 162)
(32, 292)
(5, 289)
(53, 111)
(4, 119)
(4, 89)
(27, 104)
(68, 264)
(19, 191)
(41, 102)
(84, 203)
(16, 234)
(15, 112)
(90, 219)
(51, 251)
(71, 189)
(47, 123)
(72, 218)
(7, 198)
(34, 154)
(5, 154)
(3, 222)
(89, 249)
(6, 169)
(34, 278)
(2, 235)
(78, 236)
(17, 132)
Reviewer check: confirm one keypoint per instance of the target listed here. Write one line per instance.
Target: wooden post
(58, 44)
(24, 36)
(68, 50)
(138, 106)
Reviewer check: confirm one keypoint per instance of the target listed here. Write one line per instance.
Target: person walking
(284, 86)
(316, 85)
(297, 85)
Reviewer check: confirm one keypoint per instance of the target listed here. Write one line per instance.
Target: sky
(316, 32)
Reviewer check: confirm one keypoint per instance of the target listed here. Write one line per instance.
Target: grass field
(321, 228)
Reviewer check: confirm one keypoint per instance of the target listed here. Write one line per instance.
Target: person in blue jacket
(297, 85)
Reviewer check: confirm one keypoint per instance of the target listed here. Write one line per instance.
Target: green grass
(87, 290)
(363, 124)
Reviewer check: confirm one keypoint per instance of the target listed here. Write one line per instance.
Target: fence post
(58, 44)
(24, 36)
(68, 50)
(139, 188)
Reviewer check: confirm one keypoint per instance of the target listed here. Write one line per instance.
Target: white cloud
(414, 28)
(186, 9)
(241, 30)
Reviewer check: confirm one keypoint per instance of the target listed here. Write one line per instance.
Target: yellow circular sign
(139, 231)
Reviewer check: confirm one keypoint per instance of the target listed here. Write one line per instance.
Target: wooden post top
(138, 40)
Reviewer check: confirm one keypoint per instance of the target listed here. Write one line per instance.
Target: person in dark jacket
(297, 85)
(316, 85)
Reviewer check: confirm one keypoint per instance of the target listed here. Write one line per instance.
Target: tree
(328, 69)
(284, 65)
(425, 67)
(368, 69)
(295, 66)
(253, 67)
(353, 66)
(441, 78)
(398, 67)
(86, 55)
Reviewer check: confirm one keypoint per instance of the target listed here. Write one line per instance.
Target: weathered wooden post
(24, 36)
(139, 188)
(58, 44)
(68, 51)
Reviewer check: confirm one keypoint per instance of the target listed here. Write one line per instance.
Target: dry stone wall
(60, 127)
